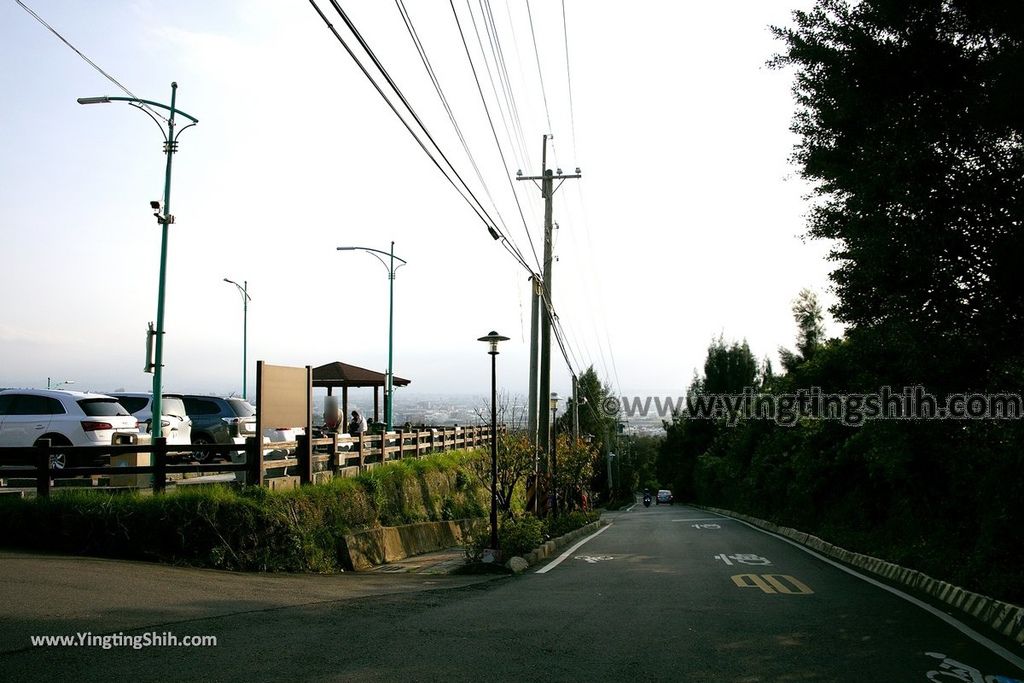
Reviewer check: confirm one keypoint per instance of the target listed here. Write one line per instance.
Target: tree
(728, 369)
(515, 452)
(810, 331)
(575, 471)
(594, 421)
(515, 462)
(910, 131)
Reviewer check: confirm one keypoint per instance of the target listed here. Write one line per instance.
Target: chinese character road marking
(706, 526)
(700, 519)
(772, 583)
(743, 559)
(593, 559)
(952, 669)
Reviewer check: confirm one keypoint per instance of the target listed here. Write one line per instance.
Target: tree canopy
(911, 130)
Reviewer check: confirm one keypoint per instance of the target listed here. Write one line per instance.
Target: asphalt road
(666, 593)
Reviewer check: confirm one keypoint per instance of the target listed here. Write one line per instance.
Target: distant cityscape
(459, 409)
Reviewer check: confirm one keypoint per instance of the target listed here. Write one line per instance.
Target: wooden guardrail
(338, 454)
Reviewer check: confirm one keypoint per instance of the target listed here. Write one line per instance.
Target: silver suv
(175, 422)
(66, 418)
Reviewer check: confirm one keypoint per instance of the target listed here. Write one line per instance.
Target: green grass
(247, 528)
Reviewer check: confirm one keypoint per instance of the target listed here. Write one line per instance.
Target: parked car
(664, 496)
(175, 422)
(217, 420)
(66, 418)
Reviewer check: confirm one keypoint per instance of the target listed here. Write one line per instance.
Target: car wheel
(202, 456)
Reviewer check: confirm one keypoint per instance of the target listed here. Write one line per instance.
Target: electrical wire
(89, 61)
(540, 72)
(568, 78)
(477, 208)
(421, 50)
(494, 132)
(394, 86)
(509, 99)
(506, 83)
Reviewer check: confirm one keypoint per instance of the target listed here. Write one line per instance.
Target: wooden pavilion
(338, 374)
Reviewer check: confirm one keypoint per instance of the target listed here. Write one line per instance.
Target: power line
(506, 83)
(394, 86)
(568, 78)
(494, 132)
(478, 207)
(522, 71)
(540, 72)
(504, 120)
(411, 28)
(89, 61)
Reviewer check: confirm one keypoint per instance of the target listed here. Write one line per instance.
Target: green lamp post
(389, 390)
(243, 289)
(163, 217)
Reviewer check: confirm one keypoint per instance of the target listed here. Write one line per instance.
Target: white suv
(177, 426)
(66, 418)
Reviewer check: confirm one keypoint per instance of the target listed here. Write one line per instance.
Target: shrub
(570, 521)
(250, 528)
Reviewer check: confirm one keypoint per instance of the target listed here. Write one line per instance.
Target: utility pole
(575, 408)
(531, 418)
(548, 189)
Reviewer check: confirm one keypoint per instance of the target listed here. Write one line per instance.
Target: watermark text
(853, 409)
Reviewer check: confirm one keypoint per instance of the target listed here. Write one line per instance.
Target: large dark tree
(911, 124)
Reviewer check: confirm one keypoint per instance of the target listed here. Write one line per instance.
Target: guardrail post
(304, 452)
(362, 450)
(416, 436)
(159, 464)
(401, 444)
(254, 462)
(43, 468)
(334, 461)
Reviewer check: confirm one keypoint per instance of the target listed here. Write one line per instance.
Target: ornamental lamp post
(163, 217)
(243, 289)
(389, 390)
(492, 340)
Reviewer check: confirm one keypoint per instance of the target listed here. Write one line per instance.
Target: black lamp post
(554, 450)
(492, 339)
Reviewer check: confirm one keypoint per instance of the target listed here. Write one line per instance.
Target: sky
(687, 223)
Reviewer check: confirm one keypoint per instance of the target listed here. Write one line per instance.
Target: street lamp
(389, 390)
(243, 289)
(164, 219)
(492, 340)
(554, 450)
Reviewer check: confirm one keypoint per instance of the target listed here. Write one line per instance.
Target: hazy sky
(686, 224)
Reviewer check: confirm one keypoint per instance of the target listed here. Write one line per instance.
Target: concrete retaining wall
(366, 549)
(1004, 617)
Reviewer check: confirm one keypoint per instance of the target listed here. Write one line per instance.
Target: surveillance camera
(577, 170)
(559, 171)
(155, 205)
(519, 172)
